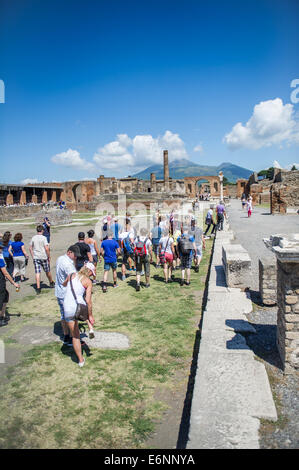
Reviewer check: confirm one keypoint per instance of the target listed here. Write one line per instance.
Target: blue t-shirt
(5, 251)
(116, 228)
(17, 248)
(2, 262)
(110, 247)
(156, 235)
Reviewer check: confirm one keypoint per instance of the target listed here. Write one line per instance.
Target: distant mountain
(178, 169)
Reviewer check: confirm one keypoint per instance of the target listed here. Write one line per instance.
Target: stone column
(45, 196)
(166, 170)
(153, 183)
(221, 185)
(9, 199)
(54, 196)
(23, 197)
(287, 254)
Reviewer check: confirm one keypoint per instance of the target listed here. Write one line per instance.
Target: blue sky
(101, 87)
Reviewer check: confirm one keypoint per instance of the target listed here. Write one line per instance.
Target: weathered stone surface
(237, 265)
(55, 216)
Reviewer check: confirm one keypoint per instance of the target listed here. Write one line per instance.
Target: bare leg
(74, 329)
(37, 277)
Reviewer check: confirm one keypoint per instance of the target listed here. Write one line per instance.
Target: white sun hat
(91, 267)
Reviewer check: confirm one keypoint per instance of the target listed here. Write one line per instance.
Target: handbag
(82, 309)
(162, 254)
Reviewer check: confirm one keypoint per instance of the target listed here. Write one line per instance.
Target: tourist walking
(20, 257)
(116, 229)
(4, 294)
(220, 211)
(6, 240)
(47, 228)
(197, 233)
(166, 255)
(110, 250)
(243, 200)
(127, 250)
(210, 221)
(85, 252)
(156, 234)
(94, 249)
(176, 254)
(249, 206)
(78, 291)
(65, 265)
(143, 257)
(187, 248)
(40, 252)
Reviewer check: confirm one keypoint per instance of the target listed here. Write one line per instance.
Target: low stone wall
(18, 212)
(268, 281)
(288, 315)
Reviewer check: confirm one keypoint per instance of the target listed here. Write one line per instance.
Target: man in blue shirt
(110, 250)
(116, 229)
(156, 234)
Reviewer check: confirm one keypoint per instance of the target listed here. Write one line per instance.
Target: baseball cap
(81, 235)
(91, 267)
(75, 249)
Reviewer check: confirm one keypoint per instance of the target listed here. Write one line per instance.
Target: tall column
(153, 183)
(221, 185)
(23, 197)
(287, 255)
(166, 170)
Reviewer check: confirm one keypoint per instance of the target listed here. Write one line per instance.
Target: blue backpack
(128, 245)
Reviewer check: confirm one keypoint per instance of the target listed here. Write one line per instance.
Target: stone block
(237, 265)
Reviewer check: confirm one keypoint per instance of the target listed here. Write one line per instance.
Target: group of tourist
(175, 244)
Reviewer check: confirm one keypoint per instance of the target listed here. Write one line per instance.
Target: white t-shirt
(124, 235)
(165, 243)
(64, 267)
(38, 243)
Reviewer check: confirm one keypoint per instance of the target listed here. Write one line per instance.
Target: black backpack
(184, 245)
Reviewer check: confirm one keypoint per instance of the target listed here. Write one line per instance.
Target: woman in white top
(166, 249)
(82, 286)
(94, 249)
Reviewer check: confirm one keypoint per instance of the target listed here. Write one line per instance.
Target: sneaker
(187, 283)
(66, 339)
(52, 284)
(196, 269)
(38, 291)
(81, 364)
(104, 289)
(147, 285)
(182, 282)
(3, 321)
(91, 334)
(115, 285)
(138, 287)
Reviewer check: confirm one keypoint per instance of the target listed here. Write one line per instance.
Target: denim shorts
(107, 266)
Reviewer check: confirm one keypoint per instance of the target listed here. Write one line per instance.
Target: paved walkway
(249, 232)
(231, 391)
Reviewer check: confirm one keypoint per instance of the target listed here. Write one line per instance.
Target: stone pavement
(231, 390)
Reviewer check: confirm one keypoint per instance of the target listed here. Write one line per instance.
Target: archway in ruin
(191, 185)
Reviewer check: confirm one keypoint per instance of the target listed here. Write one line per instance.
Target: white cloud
(29, 181)
(198, 148)
(276, 165)
(127, 153)
(272, 123)
(290, 166)
(72, 159)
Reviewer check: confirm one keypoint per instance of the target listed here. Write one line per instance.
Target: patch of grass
(110, 403)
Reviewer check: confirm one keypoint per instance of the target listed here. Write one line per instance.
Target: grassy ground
(49, 402)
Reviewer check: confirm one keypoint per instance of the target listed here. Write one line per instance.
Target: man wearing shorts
(110, 250)
(4, 295)
(127, 257)
(40, 252)
(156, 233)
(143, 261)
(65, 265)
